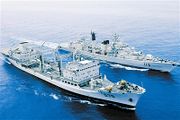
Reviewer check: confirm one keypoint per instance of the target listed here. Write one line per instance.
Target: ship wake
(67, 98)
(127, 68)
(54, 96)
(72, 99)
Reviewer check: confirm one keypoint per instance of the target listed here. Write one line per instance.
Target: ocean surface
(150, 26)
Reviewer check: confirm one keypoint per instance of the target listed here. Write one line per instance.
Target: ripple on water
(54, 96)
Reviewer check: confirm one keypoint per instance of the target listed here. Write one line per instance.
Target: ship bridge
(81, 71)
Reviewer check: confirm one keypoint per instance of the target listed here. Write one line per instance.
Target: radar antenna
(116, 37)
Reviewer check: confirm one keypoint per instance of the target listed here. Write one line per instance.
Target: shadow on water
(101, 112)
(112, 113)
(164, 75)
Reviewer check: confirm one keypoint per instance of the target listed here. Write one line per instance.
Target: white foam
(54, 96)
(127, 68)
(18, 89)
(85, 101)
(102, 104)
(91, 103)
(35, 92)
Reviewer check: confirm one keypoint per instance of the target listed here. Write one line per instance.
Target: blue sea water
(150, 26)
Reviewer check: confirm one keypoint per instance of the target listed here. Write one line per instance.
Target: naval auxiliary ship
(120, 53)
(79, 77)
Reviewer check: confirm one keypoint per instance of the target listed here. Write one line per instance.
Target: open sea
(150, 26)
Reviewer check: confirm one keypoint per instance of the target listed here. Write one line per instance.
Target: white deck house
(82, 71)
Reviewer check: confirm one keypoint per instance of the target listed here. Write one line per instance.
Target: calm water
(152, 27)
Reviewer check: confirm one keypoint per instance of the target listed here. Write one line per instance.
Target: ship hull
(116, 99)
(164, 67)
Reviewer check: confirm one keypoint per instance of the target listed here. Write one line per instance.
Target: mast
(41, 58)
(74, 55)
(93, 37)
(41, 63)
(116, 37)
(59, 66)
(59, 61)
